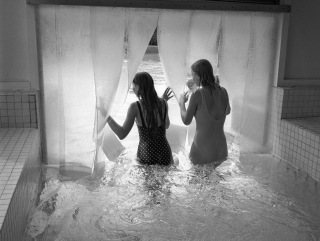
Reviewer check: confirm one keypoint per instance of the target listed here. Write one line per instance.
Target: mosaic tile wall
(301, 103)
(20, 177)
(276, 116)
(296, 140)
(18, 109)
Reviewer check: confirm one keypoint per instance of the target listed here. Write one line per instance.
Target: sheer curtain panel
(89, 56)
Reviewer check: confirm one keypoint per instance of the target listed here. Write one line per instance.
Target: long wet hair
(204, 70)
(149, 100)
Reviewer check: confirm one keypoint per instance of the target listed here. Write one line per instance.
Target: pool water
(248, 197)
(252, 197)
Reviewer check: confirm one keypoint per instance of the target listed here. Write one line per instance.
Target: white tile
(6, 197)
(10, 187)
(6, 201)
(3, 213)
(13, 182)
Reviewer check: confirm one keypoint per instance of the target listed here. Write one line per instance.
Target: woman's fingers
(185, 96)
(168, 91)
(167, 95)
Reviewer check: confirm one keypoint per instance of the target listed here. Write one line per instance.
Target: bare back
(209, 144)
(159, 118)
(217, 102)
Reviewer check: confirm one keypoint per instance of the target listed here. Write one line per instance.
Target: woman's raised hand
(183, 98)
(102, 111)
(167, 94)
(100, 108)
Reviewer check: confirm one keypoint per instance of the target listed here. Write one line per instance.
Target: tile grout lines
(12, 158)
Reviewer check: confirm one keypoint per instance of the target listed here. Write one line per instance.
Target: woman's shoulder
(196, 96)
(197, 91)
(134, 105)
(224, 90)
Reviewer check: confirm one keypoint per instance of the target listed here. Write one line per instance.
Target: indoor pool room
(68, 68)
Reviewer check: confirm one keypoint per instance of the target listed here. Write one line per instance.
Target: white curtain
(173, 31)
(140, 25)
(107, 27)
(107, 42)
(204, 38)
(68, 85)
(242, 48)
(257, 102)
(233, 60)
(82, 50)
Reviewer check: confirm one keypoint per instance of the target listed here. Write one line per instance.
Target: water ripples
(133, 202)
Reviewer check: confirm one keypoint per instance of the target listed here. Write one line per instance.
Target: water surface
(254, 197)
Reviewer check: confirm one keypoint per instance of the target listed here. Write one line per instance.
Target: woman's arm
(187, 114)
(228, 109)
(123, 131)
(228, 105)
(167, 116)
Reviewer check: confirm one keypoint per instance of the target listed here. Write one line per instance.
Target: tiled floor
(311, 124)
(15, 145)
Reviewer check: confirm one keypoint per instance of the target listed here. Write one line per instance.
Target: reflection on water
(252, 197)
(256, 198)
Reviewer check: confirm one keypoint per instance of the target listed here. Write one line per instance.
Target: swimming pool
(248, 197)
(254, 198)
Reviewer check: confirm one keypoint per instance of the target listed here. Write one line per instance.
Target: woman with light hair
(209, 104)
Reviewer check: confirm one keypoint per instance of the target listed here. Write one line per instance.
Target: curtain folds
(139, 25)
(173, 33)
(73, 43)
(257, 102)
(107, 42)
(67, 87)
(204, 38)
(89, 56)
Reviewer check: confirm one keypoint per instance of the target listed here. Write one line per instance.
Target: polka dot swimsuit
(152, 151)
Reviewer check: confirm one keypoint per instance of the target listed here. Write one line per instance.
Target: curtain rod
(163, 4)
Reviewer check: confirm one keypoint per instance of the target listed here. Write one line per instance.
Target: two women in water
(209, 104)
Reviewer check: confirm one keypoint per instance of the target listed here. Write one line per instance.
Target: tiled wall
(296, 140)
(18, 109)
(301, 102)
(20, 177)
(276, 116)
(300, 147)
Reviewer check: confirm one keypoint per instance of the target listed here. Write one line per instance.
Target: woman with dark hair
(209, 104)
(151, 115)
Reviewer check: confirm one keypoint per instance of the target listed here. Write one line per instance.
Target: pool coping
(20, 179)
